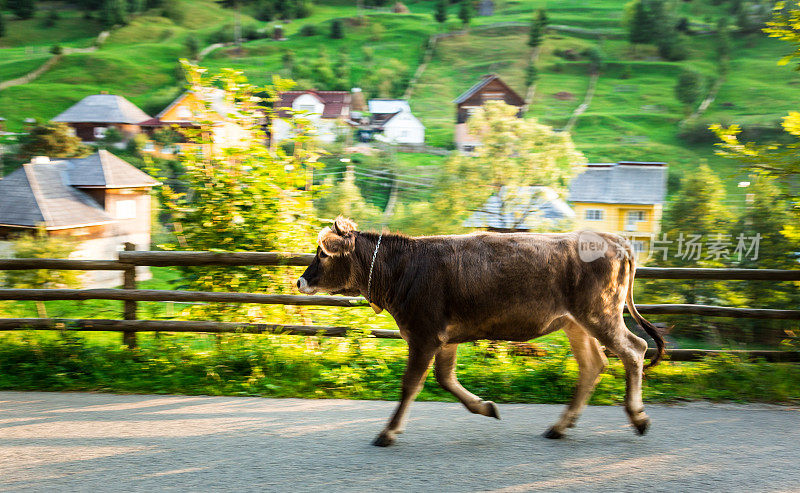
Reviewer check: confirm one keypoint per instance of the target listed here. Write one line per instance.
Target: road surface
(59, 442)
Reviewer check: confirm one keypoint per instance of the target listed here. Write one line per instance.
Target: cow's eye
(322, 254)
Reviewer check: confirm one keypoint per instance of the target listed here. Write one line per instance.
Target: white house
(328, 111)
(393, 122)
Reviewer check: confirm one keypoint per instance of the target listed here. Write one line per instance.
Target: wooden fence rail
(128, 261)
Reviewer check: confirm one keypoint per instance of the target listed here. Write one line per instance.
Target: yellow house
(625, 198)
(188, 112)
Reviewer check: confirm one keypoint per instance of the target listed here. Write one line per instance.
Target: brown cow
(444, 290)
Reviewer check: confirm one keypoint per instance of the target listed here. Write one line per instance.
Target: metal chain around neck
(369, 280)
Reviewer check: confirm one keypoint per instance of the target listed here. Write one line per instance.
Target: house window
(100, 132)
(638, 246)
(71, 131)
(126, 209)
(404, 134)
(309, 108)
(594, 214)
(635, 217)
(149, 146)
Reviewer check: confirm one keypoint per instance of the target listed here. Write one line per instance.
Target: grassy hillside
(634, 114)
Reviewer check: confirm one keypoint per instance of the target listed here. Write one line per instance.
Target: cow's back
(515, 284)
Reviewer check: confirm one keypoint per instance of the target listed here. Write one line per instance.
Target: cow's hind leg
(591, 362)
(630, 349)
(445, 370)
(419, 360)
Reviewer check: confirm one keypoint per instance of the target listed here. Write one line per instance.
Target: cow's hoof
(553, 434)
(383, 440)
(641, 428)
(493, 412)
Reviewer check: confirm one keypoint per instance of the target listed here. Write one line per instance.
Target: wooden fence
(129, 259)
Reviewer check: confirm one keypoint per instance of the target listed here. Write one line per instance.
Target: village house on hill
(191, 111)
(489, 88)
(625, 198)
(393, 122)
(328, 111)
(100, 200)
(91, 117)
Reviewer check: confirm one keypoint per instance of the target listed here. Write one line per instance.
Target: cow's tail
(648, 327)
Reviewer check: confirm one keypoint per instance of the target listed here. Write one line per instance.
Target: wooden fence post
(129, 307)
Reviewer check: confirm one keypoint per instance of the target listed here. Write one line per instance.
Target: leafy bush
(695, 131)
(308, 30)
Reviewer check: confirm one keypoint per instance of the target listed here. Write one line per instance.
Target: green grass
(356, 368)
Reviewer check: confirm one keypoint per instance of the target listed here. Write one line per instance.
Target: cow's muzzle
(304, 288)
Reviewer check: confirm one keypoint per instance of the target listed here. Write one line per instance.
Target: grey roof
(626, 182)
(38, 194)
(522, 208)
(102, 108)
(103, 169)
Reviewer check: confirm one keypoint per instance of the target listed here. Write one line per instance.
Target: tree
(672, 45)
(114, 13)
(696, 215)
(51, 139)
(2, 25)
(514, 152)
(722, 43)
(639, 27)
(541, 16)
(531, 75)
(24, 9)
(248, 198)
(688, 88)
(440, 14)
(465, 12)
(192, 44)
(535, 33)
(345, 198)
(41, 245)
(786, 26)
(337, 29)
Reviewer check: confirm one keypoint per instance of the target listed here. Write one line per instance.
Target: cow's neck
(387, 270)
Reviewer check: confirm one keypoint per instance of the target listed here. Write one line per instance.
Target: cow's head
(333, 269)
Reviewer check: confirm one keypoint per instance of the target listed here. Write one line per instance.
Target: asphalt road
(58, 442)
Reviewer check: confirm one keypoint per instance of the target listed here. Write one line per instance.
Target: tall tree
(688, 88)
(24, 9)
(115, 12)
(465, 12)
(337, 29)
(639, 27)
(440, 14)
(535, 33)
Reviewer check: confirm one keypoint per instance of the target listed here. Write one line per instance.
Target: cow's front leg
(445, 370)
(419, 360)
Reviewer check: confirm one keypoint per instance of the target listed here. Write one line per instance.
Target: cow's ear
(333, 244)
(343, 226)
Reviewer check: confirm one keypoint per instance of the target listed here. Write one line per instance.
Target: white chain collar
(369, 281)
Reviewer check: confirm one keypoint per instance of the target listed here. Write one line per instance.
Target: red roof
(156, 122)
(337, 103)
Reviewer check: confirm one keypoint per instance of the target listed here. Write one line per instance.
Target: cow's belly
(507, 329)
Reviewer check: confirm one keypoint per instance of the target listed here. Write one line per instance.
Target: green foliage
(357, 368)
(50, 19)
(173, 11)
(51, 139)
(337, 29)
(2, 25)
(56, 50)
(672, 46)
(786, 26)
(24, 9)
(688, 88)
(247, 198)
(308, 30)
